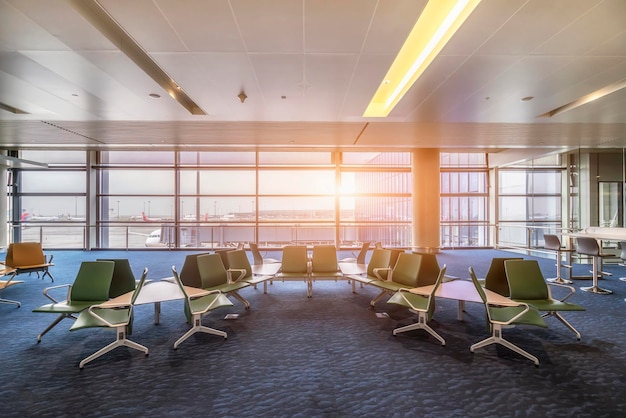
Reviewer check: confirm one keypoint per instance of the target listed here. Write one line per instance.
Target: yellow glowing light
(435, 27)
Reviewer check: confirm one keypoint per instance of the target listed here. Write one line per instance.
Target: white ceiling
(326, 58)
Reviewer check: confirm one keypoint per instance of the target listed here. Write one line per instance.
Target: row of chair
(515, 278)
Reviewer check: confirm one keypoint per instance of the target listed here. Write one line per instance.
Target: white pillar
(426, 200)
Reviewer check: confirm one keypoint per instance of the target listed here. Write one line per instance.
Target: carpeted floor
(328, 356)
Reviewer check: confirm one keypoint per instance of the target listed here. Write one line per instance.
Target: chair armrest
(516, 317)
(49, 259)
(376, 270)
(47, 289)
(99, 318)
(242, 272)
(403, 290)
(571, 289)
(205, 293)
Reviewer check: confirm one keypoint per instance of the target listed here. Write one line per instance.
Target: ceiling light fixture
(100, 19)
(611, 88)
(242, 96)
(436, 25)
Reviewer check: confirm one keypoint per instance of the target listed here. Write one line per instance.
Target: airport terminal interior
(459, 131)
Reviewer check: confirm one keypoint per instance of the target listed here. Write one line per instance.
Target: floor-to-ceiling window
(464, 200)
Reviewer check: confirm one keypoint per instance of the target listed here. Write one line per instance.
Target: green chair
(198, 306)
(295, 265)
(239, 266)
(378, 261)
(496, 280)
(503, 316)
(189, 273)
(123, 280)
(91, 287)
(360, 257)
(111, 314)
(527, 285)
(422, 304)
(403, 275)
(258, 257)
(324, 264)
(214, 276)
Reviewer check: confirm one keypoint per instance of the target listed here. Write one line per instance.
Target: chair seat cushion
(65, 307)
(384, 284)
(505, 314)
(229, 287)
(209, 302)
(547, 305)
(409, 300)
(114, 316)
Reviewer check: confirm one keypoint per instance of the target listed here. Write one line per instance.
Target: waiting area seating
(589, 246)
(527, 285)
(500, 317)
(199, 305)
(215, 276)
(91, 287)
(112, 315)
(10, 273)
(553, 243)
(28, 257)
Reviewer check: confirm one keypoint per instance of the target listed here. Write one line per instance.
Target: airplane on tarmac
(29, 217)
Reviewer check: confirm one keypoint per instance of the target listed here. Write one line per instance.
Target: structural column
(4, 226)
(426, 200)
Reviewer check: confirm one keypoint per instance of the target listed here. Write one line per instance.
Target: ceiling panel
(326, 58)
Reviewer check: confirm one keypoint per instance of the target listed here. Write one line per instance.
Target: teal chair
(198, 306)
(112, 314)
(503, 316)
(527, 285)
(91, 287)
(422, 304)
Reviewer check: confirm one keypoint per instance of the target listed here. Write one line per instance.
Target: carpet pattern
(328, 356)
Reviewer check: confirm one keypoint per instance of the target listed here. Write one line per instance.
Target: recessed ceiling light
(154, 96)
(527, 98)
(74, 95)
(283, 97)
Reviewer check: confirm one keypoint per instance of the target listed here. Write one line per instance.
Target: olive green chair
(404, 274)
(378, 261)
(91, 287)
(527, 285)
(295, 265)
(214, 276)
(198, 306)
(258, 257)
(422, 304)
(240, 270)
(504, 316)
(360, 257)
(496, 280)
(324, 264)
(117, 315)
(123, 280)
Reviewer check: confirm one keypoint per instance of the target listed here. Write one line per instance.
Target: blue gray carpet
(329, 356)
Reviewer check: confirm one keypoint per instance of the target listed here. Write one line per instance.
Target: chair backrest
(479, 288)
(256, 254)
(212, 270)
(552, 242)
(393, 259)
(189, 274)
(324, 258)
(496, 278)
(360, 258)
(238, 259)
(431, 297)
(93, 281)
(25, 254)
(588, 246)
(379, 259)
(123, 280)
(142, 281)
(622, 246)
(181, 286)
(295, 259)
(222, 253)
(407, 269)
(429, 269)
(526, 282)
